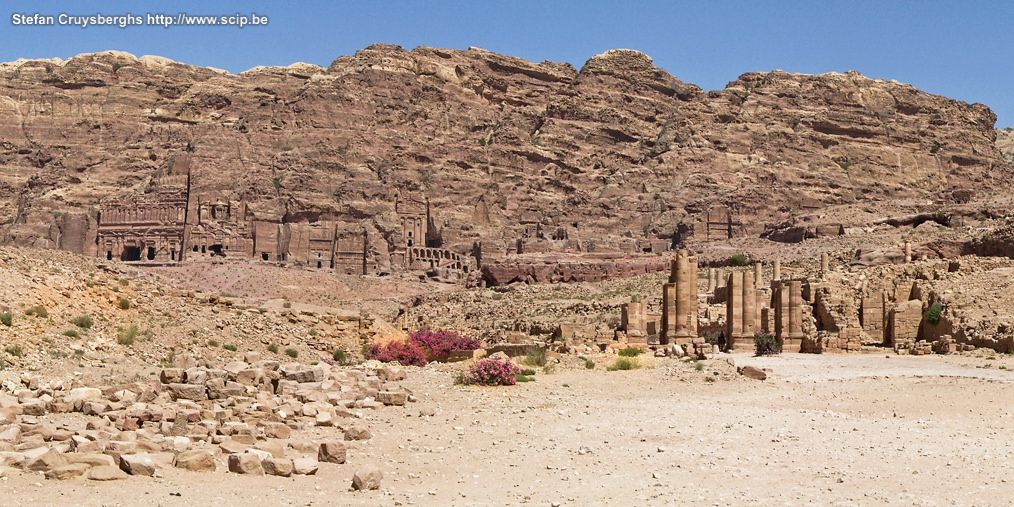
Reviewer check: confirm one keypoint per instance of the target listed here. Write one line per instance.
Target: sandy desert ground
(822, 430)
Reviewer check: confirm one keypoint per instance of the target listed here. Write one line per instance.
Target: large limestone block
(367, 478)
(245, 463)
(332, 452)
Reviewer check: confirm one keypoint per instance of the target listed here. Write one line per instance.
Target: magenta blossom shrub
(439, 344)
(491, 371)
(406, 353)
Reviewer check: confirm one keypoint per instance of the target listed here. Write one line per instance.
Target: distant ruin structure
(167, 222)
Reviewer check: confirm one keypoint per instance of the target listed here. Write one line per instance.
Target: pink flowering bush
(439, 344)
(491, 372)
(406, 353)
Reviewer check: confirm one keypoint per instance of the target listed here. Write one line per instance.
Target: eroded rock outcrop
(520, 155)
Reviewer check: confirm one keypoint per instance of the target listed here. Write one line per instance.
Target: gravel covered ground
(822, 430)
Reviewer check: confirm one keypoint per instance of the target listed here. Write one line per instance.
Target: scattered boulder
(752, 372)
(106, 473)
(304, 466)
(278, 466)
(367, 478)
(196, 460)
(70, 471)
(245, 463)
(332, 452)
(138, 464)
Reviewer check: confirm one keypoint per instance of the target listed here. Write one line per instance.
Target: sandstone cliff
(618, 157)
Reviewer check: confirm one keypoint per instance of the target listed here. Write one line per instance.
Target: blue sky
(958, 49)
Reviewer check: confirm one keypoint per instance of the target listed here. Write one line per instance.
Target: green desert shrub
(740, 260)
(124, 304)
(625, 363)
(83, 322)
(933, 313)
(340, 356)
(273, 348)
(71, 333)
(765, 344)
(6, 318)
(230, 347)
(127, 336)
(630, 352)
(293, 353)
(38, 311)
(535, 357)
(15, 350)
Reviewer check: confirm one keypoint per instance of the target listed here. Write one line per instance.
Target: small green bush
(287, 304)
(230, 348)
(535, 357)
(766, 344)
(528, 371)
(630, 352)
(6, 318)
(524, 378)
(588, 364)
(293, 353)
(124, 304)
(15, 350)
(127, 336)
(273, 348)
(699, 366)
(83, 322)
(625, 363)
(740, 260)
(933, 313)
(71, 333)
(213, 343)
(79, 352)
(340, 356)
(38, 311)
(313, 332)
(228, 295)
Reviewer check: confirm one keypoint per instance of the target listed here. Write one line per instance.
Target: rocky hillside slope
(619, 149)
(1005, 143)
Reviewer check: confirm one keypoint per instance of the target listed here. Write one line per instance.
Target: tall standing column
(908, 252)
(777, 270)
(795, 310)
(824, 266)
(712, 282)
(741, 311)
(758, 274)
(679, 305)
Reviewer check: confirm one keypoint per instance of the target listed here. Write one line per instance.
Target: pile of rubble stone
(194, 417)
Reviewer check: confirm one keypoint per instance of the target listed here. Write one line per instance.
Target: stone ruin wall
(830, 309)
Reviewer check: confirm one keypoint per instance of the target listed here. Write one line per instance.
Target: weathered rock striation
(498, 157)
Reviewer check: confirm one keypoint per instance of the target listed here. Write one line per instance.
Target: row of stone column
(717, 279)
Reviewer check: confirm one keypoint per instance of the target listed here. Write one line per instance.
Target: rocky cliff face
(513, 156)
(1005, 143)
